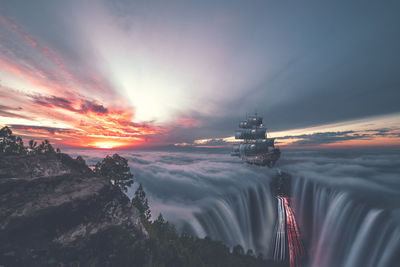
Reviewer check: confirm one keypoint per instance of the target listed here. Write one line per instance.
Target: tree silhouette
(9, 143)
(160, 219)
(238, 250)
(80, 160)
(32, 146)
(141, 203)
(5, 135)
(115, 169)
(5, 132)
(45, 147)
(20, 148)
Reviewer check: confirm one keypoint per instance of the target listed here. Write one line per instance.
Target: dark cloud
(13, 115)
(51, 130)
(61, 102)
(93, 107)
(316, 139)
(384, 132)
(339, 68)
(2, 107)
(5, 112)
(326, 138)
(147, 124)
(53, 101)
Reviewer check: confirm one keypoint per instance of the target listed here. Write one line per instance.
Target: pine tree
(160, 219)
(32, 147)
(141, 203)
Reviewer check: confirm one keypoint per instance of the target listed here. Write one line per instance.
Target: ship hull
(266, 159)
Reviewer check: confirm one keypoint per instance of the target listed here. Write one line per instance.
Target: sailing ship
(256, 148)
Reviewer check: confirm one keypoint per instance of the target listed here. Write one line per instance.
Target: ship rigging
(256, 148)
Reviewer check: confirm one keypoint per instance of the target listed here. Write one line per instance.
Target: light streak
(287, 230)
(296, 248)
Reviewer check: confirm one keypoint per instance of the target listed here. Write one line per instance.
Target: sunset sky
(109, 74)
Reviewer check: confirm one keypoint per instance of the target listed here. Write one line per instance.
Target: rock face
(53, 206)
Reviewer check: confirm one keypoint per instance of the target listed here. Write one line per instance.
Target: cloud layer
(220, 196)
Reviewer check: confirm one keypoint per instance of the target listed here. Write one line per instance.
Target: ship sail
(252, 121)
(256, 148)
(252, 134)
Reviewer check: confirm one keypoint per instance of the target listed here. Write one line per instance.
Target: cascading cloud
(347, 204)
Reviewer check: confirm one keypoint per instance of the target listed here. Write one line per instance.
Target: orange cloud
(59, 109)
(88, 123)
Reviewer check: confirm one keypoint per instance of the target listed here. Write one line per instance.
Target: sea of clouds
(208, 192)
(179, 183)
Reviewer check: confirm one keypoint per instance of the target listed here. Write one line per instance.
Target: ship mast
(255, 148)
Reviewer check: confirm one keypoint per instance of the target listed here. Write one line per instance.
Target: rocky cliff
(54, 211)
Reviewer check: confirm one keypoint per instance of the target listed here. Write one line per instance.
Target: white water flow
(342, 230)
(338, 229)
(242, 218)
(347, 205)
(280, 239)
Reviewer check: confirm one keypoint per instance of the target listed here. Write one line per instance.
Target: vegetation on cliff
(56, 211)
(165, 247)
(11, 144)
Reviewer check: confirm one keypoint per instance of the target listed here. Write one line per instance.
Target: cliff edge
(54, 210)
